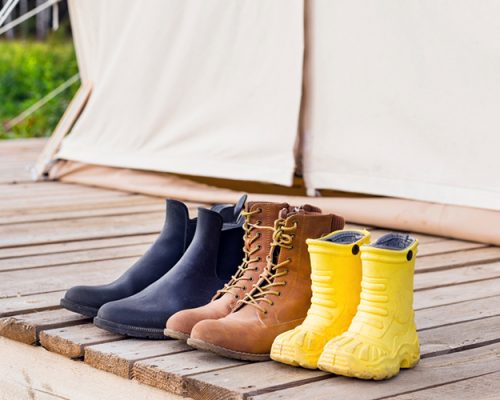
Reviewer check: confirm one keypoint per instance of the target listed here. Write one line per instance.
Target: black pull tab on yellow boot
(382, 337)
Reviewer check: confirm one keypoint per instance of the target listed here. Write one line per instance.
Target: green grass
(29, 70)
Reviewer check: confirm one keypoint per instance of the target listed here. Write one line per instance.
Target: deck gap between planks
(455, 284)
(437, 385)
(458, 302)
(16, 246)
(65, 264)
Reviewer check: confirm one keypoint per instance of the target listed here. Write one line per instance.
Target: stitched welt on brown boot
(258, 227)
(279, 300)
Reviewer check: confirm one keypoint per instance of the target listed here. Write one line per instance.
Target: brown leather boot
(279, 300)
(258, 227)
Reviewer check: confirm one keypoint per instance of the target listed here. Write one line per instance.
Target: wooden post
(10, 34)
(42, 21)
(23, 9)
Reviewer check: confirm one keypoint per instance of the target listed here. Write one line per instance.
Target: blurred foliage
(29, 70)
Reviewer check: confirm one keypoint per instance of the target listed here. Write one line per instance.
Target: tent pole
(75, 108)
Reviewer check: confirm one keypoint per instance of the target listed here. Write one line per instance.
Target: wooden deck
(55, 235)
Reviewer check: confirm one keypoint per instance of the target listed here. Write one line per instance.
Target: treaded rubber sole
(222, 351)
(175, 334)
(78, 308)
(130, 330)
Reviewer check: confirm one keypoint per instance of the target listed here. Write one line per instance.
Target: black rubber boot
(213, 256)
(164, 253)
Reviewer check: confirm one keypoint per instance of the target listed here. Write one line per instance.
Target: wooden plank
(457, 259)
(428, 373)
(22, 145)
(71, 341)
(447, 246)
(455, 276)
(465, 335)
(13, 202)
(64, 247)
(31, 303)
(457, 293)
(26, 328)
(16, 162)
(119, 357)
(29, 372)
(484, 387)
(458, 312)
(241, 382)
(9, 189)
(51, 279)
(169, 373)
(85, 211)
(73, 257)
(80, 228)
(269, 376)
(47, 189)
(34, 203)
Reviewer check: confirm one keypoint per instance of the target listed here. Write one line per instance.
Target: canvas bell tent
(397, 100)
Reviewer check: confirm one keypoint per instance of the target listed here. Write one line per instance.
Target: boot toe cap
(89, 296)
(248, 338)
(184, 321)
(132, 313)
(298, 347)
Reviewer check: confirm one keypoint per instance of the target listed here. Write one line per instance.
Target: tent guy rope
(24, 17)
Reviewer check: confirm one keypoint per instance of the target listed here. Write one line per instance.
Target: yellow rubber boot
(336, 285)
(382, 337)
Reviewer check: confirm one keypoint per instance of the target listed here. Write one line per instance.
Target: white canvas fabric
(403, 99)
(209, 88)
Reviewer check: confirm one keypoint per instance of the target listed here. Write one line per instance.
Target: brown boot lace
(236, 281)
(282, 238)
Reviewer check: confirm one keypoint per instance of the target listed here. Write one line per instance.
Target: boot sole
(222, 351)
(79, 308)
(176, 334)
(385, 369)
(130, 330)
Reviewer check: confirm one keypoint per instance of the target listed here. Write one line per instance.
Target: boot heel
(409, 361)
(410, 356)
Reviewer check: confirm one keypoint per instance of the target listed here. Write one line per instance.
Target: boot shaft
(259, 218)
(335, 275)
(284, 288)
(178, 229)
(216, 247)
(387, 284)
(306, 223)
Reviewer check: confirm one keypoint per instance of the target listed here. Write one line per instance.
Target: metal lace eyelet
(272, 303)
(259, 210)
(279, 294)
(265, 311)
(237, 296)
(251, 278)
(259, 258)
